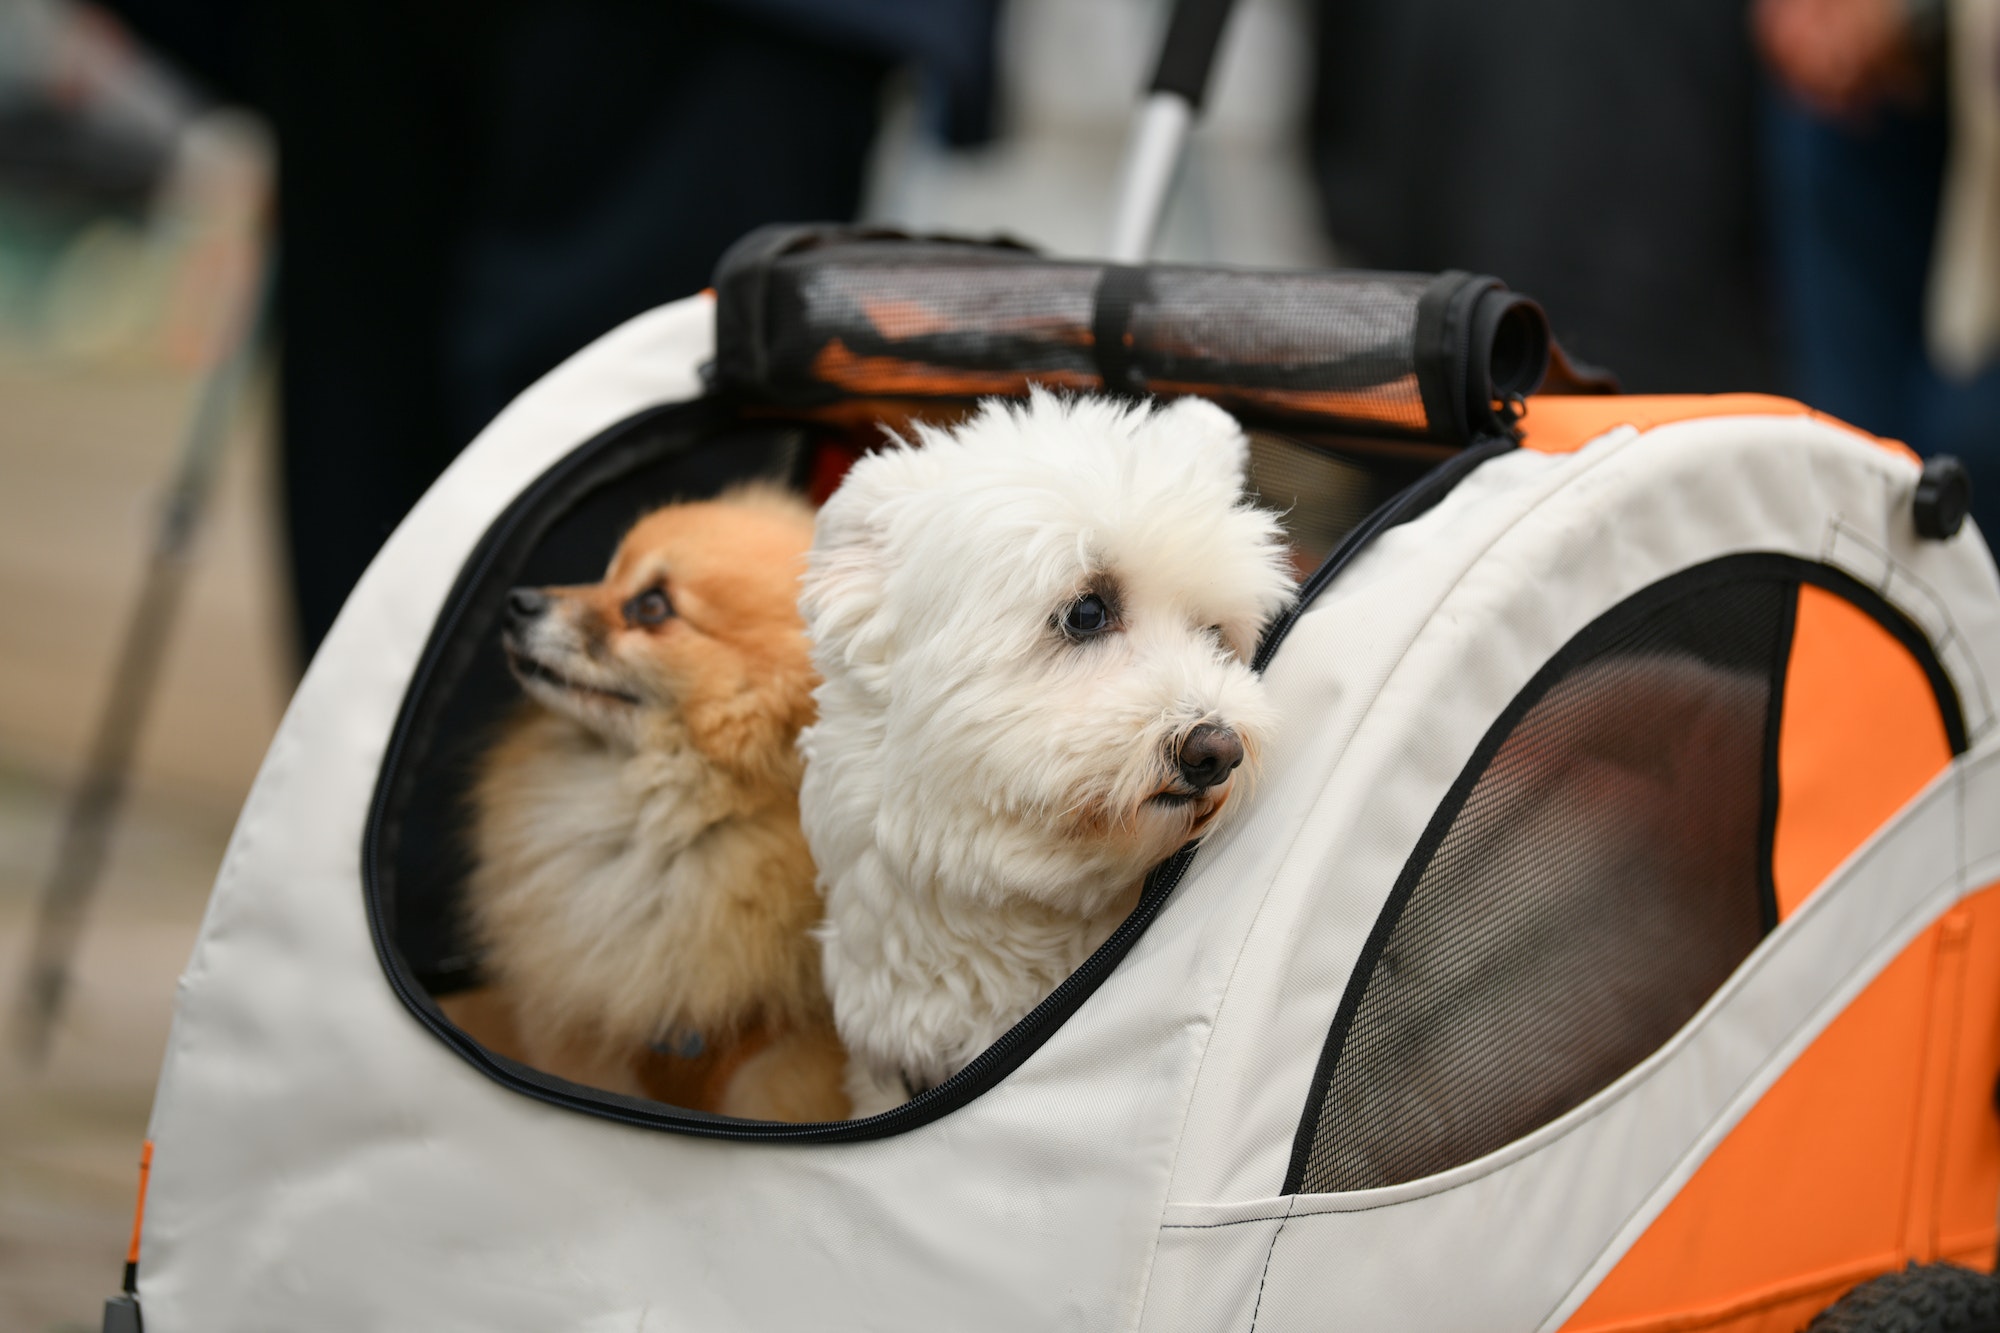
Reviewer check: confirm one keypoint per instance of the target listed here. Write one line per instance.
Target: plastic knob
(1944, 497)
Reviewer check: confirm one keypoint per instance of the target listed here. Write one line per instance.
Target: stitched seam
(1936, 606)
(1180, 1136)
(1264, 1276)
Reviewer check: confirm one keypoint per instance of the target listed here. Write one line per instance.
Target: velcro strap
(1119, 289)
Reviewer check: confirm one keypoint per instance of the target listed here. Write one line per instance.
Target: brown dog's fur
(641, 889)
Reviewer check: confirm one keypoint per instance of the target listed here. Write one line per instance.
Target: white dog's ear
(1208, 436)
(844, 592)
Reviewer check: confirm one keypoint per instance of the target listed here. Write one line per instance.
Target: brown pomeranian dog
(641, 890)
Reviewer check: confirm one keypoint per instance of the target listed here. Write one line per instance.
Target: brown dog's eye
(650, 607)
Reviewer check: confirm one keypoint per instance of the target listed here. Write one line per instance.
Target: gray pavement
(84, 452)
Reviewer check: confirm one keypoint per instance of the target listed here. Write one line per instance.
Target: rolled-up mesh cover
(810, 316)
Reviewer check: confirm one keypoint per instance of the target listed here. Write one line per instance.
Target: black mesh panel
(1596, 873)
(810, 317)
(1338, 344)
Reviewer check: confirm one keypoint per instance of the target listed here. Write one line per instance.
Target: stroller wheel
(1923, 1298)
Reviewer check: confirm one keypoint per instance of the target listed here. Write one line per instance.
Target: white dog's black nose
(1208, 755)
(524, 604)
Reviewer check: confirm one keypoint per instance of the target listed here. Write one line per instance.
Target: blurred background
(355, 231)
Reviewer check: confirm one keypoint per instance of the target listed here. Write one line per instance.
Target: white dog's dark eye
(650, 607)
(1087, 615)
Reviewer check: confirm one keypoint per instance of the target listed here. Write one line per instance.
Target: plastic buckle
(121, 1315)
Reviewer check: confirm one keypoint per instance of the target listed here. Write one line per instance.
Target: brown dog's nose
(1209, 754)
(525, 604)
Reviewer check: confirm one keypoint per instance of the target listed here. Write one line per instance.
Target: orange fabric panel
(1860, 734)
(1969, 1164)
(1561, 424)
(1813, 1190)
(1811, 1180)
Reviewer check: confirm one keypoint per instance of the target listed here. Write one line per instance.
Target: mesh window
(1596, 873)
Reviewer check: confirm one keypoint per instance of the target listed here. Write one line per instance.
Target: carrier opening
(562, 530)
(1599, 869)
(1365, 396)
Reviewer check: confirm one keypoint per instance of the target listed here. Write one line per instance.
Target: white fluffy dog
(1032, 633)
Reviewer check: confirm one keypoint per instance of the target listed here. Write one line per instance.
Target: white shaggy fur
(983, 793)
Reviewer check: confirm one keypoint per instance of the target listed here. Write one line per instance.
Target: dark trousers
(1598, 157)
(1853, 210)
(471, 192)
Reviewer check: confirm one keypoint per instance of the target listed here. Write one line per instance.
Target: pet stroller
(1613, 941)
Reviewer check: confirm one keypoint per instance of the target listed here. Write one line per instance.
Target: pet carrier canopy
(1612, 941)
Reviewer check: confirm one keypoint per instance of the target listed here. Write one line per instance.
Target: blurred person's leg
(1853, 207)
(370, 171)
(1599, 157)
(1852, 210)
(628, 147)
(375, 163)
(470, 193)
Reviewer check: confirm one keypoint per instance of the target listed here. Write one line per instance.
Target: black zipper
(1410, 502)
